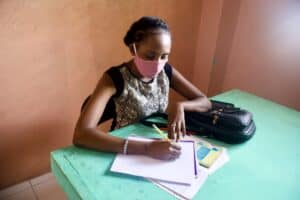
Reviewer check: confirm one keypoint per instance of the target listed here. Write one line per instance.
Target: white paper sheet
(181, 170)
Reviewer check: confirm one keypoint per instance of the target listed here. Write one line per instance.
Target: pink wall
(264, 57)
(52, 53)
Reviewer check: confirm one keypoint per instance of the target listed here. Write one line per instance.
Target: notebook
(167, 171)
(210, 156)
(207, 154)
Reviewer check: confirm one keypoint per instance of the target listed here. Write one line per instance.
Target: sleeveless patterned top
(136, 99)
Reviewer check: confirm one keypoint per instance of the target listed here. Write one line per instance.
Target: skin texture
(156, 46)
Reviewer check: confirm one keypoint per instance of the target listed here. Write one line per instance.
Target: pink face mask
(148, 68)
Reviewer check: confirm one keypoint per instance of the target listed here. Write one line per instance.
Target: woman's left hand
(176, 122)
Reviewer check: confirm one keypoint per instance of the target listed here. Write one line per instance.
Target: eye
(164, 56)
(150, 56)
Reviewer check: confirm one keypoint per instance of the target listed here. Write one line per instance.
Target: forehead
(157, 41)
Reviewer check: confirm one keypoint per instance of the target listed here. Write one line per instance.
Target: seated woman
(139, 88)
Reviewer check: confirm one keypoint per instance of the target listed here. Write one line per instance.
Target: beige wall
(208, 29)
(251, 45)
(227, 26)
(52, 53)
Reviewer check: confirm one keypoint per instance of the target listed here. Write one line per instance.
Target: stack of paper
(183, 191)
(140, 165)
(188, 192)
(192, 176)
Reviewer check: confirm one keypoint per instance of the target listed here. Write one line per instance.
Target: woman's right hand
(163, 150)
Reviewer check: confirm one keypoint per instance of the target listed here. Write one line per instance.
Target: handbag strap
(148, 122)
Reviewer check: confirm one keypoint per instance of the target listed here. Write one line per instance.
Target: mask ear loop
(134, 49)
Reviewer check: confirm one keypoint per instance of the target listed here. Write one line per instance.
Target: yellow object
(160, 132)
(210, 158)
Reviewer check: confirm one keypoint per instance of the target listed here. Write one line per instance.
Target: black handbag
(223, 122)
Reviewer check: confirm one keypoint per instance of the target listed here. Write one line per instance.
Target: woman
(136, 89)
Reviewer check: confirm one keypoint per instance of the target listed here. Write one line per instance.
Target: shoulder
(115, 68)
(115, 75)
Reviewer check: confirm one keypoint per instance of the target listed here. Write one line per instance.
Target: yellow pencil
(160, 132)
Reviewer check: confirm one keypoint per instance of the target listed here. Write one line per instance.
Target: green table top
(265, 167)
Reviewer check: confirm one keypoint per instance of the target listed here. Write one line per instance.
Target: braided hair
(144, 26)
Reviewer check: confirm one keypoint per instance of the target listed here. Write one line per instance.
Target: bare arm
(195, 101)
(87, 135)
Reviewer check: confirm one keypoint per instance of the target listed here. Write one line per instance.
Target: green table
(266, 167)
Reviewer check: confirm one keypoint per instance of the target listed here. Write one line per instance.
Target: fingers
(175, 146)
(177, 131)
(183, 129)
(172, 157)
(171, 131)
(174, 153)
(165, 150)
